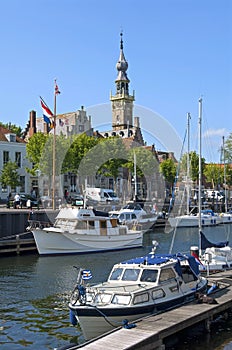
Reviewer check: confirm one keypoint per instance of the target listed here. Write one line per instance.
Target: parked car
(25, 198)
(76, 199)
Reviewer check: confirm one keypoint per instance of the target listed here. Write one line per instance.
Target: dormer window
(11, 137)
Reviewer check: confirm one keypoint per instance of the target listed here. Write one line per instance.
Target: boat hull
(50, 242)
(193, 221)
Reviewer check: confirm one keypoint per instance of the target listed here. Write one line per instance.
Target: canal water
(34, 295)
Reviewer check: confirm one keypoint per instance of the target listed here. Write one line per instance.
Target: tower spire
(122, 101)
(122, 80)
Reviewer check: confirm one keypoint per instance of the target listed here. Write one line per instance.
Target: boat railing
(38, 224)
(130, 288)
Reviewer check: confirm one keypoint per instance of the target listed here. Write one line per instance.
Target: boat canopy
(158, 259)
(205, 243)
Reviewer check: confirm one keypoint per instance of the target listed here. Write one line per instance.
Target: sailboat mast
(188, 162)
(224, 165)
(54, 157)
(56, 92)
(200, 170)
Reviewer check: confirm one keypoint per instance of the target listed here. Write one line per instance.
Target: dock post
(208, 325)
(17, 244)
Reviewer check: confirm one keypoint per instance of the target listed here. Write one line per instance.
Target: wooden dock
(17, 245)
(152, 332)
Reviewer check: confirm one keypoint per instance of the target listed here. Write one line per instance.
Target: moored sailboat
(212, 257)
(206, 216)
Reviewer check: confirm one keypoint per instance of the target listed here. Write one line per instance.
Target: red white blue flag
(47, 113)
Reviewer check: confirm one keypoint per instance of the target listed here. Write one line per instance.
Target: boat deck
(150, 332)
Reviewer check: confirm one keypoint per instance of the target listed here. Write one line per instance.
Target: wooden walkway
(150, 332)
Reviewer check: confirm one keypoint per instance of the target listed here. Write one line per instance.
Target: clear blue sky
(177, 51)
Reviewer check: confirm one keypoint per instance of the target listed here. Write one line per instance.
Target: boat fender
(128, 326)
(212, 288)
(72, 318)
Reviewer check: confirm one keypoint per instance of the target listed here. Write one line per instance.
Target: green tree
(46, 160)
(9, 175)
(146, 164)
(168, 169)
(228, 149)
(34, 149)
(114, 156)
(79, 146)
(214, 174)
(194, 165)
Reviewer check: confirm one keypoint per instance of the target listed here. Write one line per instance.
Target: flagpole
(54, 155)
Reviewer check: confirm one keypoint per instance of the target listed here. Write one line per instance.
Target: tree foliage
(113, 155)
(214, 174)
(35, 148)
(228, 149)
(79, 147)
(168, 169)
(194, 165)
(146, 163)
(9, 175)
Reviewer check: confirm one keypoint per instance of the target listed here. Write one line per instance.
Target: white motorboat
(135, 288)
(208, 218)
(132, 214)
(82, 230)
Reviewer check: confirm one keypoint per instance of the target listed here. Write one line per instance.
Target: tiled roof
(4, 131)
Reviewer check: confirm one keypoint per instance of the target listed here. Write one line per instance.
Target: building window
(22, 184)
(18, 159)
(6, 157)
(81, 128)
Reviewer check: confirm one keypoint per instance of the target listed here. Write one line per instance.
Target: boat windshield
(149, 275)
(116, 274)
(130, 275)
(124, 274)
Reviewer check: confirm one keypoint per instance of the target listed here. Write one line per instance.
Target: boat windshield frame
(125, 274)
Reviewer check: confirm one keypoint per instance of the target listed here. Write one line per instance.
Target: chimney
(32, 123)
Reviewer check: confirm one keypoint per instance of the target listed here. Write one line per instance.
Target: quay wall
(15, 221)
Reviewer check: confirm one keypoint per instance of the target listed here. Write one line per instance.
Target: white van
(101, 195)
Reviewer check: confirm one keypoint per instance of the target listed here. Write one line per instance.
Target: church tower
(122, 101)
